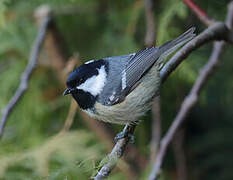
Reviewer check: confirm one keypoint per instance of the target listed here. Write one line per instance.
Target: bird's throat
(84, 99)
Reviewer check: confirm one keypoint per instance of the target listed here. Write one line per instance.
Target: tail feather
(170, 46)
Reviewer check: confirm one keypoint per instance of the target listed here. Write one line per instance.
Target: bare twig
(192, 98)
(70, 117)
(116, 153)
(150, 24)
(200, 13)
(156, 128)
(229, 18)
(26, 74)
(217, 31)
(178, 148)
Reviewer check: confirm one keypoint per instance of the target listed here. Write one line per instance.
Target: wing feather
(142, 61)
(139, 64)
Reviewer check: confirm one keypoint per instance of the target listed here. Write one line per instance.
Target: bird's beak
(67, 91)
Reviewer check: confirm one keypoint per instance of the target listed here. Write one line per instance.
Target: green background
(30, 148)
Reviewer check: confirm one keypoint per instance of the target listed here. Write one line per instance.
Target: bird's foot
(125, 134)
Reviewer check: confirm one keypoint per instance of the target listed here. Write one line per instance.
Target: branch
(179, 153)
(156, 128)
(26, 74)
(229, 18)
(116, 153)
(69, 118)
(217, 31)
(193, 96)
(150, 24)
(200, 13)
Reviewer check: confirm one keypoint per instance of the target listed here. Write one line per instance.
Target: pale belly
(135, 105)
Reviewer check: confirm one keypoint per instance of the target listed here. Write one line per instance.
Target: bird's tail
(170, 46)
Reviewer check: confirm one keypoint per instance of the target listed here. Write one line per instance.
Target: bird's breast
(135, 104)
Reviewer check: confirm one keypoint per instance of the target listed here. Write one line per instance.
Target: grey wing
(112, 89)
(136, 65)
(124, 73)
(144, 60)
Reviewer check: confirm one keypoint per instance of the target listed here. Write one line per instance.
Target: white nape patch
(89, 61)
(95, 84)
(123, 80)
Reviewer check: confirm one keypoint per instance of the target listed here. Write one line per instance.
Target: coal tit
(120, 89)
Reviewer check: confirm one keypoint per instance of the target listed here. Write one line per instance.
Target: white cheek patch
(123, 80)
(95, 84)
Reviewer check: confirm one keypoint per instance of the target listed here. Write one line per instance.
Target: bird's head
(87, 81)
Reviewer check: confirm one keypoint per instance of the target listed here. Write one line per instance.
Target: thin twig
(192, 98)
(200, 13)
(26, 74)
(116, 153)
(70, 117)
(229, 18)
(155, 128)
(179, 153)
(150, 24)
(217, 31)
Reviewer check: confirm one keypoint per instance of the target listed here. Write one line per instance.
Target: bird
(121, 89)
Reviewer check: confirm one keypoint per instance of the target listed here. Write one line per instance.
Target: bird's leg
(125, 133)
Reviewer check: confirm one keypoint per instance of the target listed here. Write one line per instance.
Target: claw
(123, 134)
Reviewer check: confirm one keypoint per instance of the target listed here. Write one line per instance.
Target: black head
(86, 82)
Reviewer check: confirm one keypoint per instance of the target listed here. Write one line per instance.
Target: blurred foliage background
(31, 147)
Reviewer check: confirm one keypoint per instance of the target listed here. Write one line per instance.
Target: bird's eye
(81, 80)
